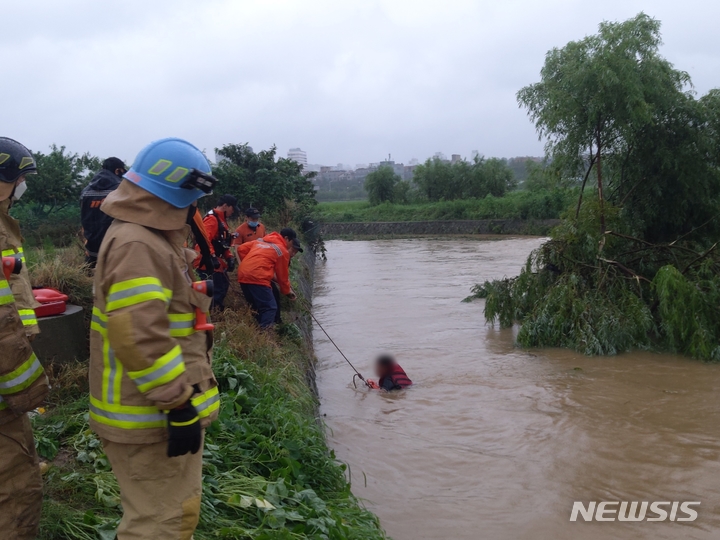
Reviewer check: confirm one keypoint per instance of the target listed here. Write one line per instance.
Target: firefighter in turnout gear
(23, 385)
(152, 389)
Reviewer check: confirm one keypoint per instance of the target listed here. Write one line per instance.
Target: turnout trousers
(276, 295)
(21, 492)
(160, 495)
(221, 286)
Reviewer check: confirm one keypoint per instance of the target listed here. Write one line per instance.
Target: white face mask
(19, 190)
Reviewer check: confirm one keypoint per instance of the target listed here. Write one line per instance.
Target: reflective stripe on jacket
(11, 246)
(145, 355)
(23, 384)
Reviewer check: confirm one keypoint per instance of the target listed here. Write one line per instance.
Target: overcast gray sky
(347, 80)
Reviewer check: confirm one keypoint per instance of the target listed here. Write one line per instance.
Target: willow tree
(638, 265)
(596, 97)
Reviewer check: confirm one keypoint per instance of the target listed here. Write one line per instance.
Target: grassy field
(268, 473)
(515, 205)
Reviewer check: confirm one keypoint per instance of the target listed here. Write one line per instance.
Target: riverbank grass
(542, 204)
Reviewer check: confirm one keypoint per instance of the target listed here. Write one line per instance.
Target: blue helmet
(173, 170)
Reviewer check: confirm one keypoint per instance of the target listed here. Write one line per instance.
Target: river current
(493, 441)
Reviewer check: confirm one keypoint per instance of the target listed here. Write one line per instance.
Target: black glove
(216, 263)
(185, 433)
(231, 265)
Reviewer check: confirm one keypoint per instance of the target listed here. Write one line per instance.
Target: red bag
(53, 302)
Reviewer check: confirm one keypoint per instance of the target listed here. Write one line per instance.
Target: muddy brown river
(492, 441)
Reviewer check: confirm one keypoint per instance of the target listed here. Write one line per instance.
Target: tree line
(50, 209)
(442, 180)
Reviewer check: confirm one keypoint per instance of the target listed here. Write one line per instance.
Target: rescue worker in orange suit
(23, 384)
(218, 232)
(251, 229)
(152, 389)
(391, 375)
(200, 239)
(95, 222)
(261, 262)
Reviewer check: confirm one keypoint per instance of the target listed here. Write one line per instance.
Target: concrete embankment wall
(303, 274)
(487, 226)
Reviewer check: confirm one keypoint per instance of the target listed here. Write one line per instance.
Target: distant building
(361, 173)
(456, 158)
(398, 168)
(409, 171)
(298, 156)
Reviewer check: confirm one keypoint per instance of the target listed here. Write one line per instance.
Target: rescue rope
(357, 373)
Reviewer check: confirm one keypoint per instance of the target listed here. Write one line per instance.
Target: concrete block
(63, 338)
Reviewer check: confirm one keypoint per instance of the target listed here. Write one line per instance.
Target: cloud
(347, 81)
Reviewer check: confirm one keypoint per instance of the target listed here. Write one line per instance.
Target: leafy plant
(440, 180)
(528, 205)
(60, 177)
(381, 185)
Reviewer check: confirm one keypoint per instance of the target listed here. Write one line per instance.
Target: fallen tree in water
(631, 294)
(637, 266)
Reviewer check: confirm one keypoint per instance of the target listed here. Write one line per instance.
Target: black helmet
(15, 160)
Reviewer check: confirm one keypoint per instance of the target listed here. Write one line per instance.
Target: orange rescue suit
(245, 233)
(263, 260)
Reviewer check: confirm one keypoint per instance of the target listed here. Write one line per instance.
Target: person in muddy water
(390, 375)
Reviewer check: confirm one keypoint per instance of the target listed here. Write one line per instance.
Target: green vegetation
(540, 204)
(636, 265)
(268, 473)
(520, 166)
(61, 228)
(59, 181)
(353, 192)
(438, 180)
(463, 190)
(383, 186)
(50, 210)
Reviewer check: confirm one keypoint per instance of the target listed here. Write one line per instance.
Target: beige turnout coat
(145, 355)
(23, 385)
